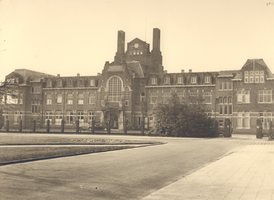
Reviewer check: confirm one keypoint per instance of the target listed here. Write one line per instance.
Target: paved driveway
(124, 174)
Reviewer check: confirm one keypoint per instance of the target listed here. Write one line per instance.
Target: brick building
(131, 85)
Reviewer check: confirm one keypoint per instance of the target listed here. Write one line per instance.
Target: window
(221, 123)
(180, 80)
(35, 106)
(243, 120)
(167, 80)
(261, 79)
(59, 83)
(251, 79)
(256, 79)
(92, 82)
(207, 96)
(49, 99)
(265, 96)
(59, 99)
(225, 86)
(266, 118)
(92, 98)
(58, 117)
(17, 117)
(70, 83)
(193, 93)
(153, 97)
(193, 80)
(35, 90)
(126, 93)
(70, 99)
(12, 99)
(21, 98)
(81, 98)
(48, 116)
(225, 107)
(154, 80)
(142, 97)
(90, 116)
(221, 86)
(243, 96)
(69, 117)
(49, 83)
(80, 116)
(115, 89)
(166, 97)
(208, 79)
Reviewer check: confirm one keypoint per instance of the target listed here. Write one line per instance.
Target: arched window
(114, 89)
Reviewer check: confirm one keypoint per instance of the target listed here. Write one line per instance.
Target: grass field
(18, 147)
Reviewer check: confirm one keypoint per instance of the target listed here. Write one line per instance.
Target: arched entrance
(112, 117)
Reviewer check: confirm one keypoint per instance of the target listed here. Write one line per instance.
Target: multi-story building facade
(129, 87)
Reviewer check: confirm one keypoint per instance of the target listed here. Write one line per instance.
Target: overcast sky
(77, 36)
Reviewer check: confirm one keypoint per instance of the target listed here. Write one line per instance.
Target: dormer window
(167, 80)
(180, 80)
(80, 83)
(193, 80)
(49, 83)
(92, 82)
(59, 83)
(208, 79)
(154, 80)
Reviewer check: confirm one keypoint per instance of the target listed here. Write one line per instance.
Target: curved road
(123, 174)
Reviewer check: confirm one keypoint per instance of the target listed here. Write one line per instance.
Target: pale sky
(78, 36)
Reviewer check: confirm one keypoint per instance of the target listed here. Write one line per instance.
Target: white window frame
(265, 95)
(154, 80)
(208, 79)
(193, 80)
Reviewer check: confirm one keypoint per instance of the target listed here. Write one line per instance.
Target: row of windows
(254, 77)
(180, 80)
(70, 83)
(69, 117)
(91, 99)
(264, 96)
(243, 120)
(154, 96)
(225, 86)
(136, 52)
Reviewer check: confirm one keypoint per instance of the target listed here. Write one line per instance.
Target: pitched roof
(135, 67)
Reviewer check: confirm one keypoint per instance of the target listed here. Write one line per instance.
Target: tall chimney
(119, 57)
(121, 42)
(156, 39)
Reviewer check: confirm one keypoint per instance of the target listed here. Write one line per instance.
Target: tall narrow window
(80, 98)
(69, 117)
(92, 98)
(58, 117)
(166, 97)
(49, 99)
(80, 116)
(208, 79)
(153, 97)
(59, 99)
(70, 98)
(48, 116)
(114, 89)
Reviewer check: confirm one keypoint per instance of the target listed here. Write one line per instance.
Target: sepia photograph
(137, 99)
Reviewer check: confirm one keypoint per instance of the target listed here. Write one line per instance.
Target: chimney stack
(156, 39)
(182, 71)
(190, 70)
(78, 74)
